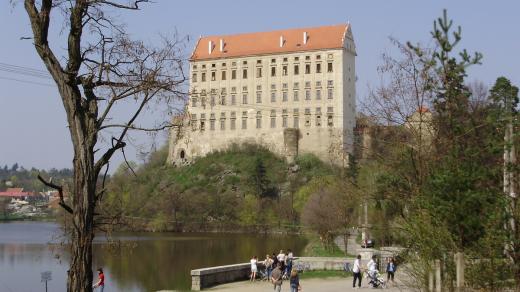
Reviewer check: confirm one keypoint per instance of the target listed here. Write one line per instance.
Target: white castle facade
(292, 91)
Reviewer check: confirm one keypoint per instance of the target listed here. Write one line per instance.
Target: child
(295, 281)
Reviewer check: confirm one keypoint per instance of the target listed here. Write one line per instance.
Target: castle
(292, 91)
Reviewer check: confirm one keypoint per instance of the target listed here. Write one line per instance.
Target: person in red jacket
(101, 280)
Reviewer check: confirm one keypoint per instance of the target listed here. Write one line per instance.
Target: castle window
(307, 68)
(307, 117)
(223, 64)
(273, 86)
(318, 67)
(273, 118)
(285, 59)
(204, 66)
(212, 125)
(233, 120)
(213, 75)
(193, 122)
(284, 86)
(330, 56)
(307, 94)
(233, 74)
(202, 122)
(273, 71)
(193, 101)
(273, 96)
(233, 64)
(296, 122)
(295, 96)
(258, 119)
(296, 85)
(318, 117)
(259, 97)
(244, 88)
(329, 67)
(318, 57)
(296, 69)
(194, 77)
(212, 101)
(223, 100)
(330, 122)
(284, 96)
(213, 65)
(194, 67)
(258, 72)
(259, 87)
(233, 99)
(203, 77)
(223, 75)
(244, 123)
(244, 99)
(259, 61)
(233, 89)
(296, 59)
(330, 93)
(318, 83)
(284, 118)
(307, 58)
(318, 94)
(273, 60)
(307, 84)
(244, 62)
(284, 70)
(244, 74)
(223, 124)
(330, 83)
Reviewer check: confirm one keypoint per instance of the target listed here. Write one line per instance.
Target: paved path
(352, 246)
(308, 285)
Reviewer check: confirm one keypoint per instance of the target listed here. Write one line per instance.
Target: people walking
(276, 277)
(356, 270)
(390, 270)
(101, 280)
(294, 280)
(268, 264)
(254, 268)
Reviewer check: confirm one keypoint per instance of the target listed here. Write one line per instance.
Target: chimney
(210, 47)
(305, 36)
(281, 41)
(221, 45)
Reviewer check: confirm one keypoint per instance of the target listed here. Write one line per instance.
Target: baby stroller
(375, 279)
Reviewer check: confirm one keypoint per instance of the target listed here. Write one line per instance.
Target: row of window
(274, 96)
(259, 72)
(273, 119)
(259, 62)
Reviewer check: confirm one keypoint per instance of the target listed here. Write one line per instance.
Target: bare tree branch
(60, 192)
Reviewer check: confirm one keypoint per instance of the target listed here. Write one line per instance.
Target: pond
(140, 262)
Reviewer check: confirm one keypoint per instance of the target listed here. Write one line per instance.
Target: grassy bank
(315, 248)
(324, 274)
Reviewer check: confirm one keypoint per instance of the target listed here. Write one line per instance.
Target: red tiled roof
(258, 43)
(16, 192)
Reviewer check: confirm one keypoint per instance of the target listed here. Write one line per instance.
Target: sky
(33, 130)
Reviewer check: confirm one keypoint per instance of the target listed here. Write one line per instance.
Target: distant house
(19, 194)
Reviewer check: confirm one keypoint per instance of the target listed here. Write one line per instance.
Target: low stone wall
(207, 277)
(321, 263)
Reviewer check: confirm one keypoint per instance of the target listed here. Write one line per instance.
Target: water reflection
(144, 262)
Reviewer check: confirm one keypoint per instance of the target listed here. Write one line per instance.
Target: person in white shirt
(356, 270)
(372, 269)
(254, 268)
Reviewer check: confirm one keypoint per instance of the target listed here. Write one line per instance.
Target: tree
(504, 98)
(102, 68)
(330, 210)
